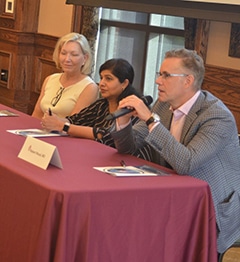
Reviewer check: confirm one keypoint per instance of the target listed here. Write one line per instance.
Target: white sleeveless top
(69, 96)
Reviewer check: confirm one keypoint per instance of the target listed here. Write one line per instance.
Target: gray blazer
(209, 150)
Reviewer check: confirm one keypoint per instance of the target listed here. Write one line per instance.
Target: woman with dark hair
(116, 77)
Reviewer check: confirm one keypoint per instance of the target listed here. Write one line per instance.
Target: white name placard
(40, 153)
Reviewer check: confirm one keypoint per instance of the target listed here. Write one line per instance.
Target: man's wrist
(154, 118)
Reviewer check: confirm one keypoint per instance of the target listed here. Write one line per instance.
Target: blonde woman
(68, 92)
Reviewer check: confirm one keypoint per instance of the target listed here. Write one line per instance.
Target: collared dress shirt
(179, 116)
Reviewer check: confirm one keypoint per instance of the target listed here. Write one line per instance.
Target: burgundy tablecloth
(80, 214)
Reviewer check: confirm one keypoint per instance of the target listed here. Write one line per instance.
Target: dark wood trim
(224, 83)
(5, 14)
(6, 59)
(196, 35)
(234, 48)
(2, 10)
(16, 38)
(202, 34)
(77, 19)
(30, 61)
(24, 18)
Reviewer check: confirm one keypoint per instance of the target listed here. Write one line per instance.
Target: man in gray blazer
(191, 131)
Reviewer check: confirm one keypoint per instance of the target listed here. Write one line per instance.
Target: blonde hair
(84, 45)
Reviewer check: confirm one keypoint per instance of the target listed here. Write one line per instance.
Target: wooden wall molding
(24, 18)
(234, 47)
(43, 67)
(5, 66)
(202, 34)
(224, 83)
(21, 47)
(31, 61)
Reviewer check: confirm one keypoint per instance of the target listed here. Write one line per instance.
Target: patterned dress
(95, 116)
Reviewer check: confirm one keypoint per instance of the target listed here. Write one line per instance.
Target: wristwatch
(66, 127)
(154, 118)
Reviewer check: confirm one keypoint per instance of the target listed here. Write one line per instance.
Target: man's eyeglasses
(57, 97)
(166, 75)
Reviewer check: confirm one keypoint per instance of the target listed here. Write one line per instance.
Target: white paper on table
(126, 171)
(6, 112)
(34, 132)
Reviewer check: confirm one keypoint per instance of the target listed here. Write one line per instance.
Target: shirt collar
(185, 108)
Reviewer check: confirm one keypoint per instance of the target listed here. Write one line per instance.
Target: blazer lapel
(192, 115)
(167, 118)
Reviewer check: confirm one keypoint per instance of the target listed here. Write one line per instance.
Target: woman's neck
(113, 105)
(70, 79)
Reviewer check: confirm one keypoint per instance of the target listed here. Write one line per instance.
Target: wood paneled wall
(224, 83)
(43, 65)
(27, 57)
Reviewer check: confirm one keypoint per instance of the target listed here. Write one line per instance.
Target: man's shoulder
(214, 103)
(208, 106)
(208, 96)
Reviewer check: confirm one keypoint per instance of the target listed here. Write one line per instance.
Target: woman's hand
(52, 123)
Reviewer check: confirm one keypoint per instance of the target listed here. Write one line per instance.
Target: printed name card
(40, 153)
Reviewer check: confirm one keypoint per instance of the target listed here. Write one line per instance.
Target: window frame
(147, 29)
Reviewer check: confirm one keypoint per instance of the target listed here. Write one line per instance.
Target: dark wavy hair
(122, 70)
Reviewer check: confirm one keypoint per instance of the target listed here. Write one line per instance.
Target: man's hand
(140, 109)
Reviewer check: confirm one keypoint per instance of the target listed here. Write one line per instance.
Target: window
(140, 38)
